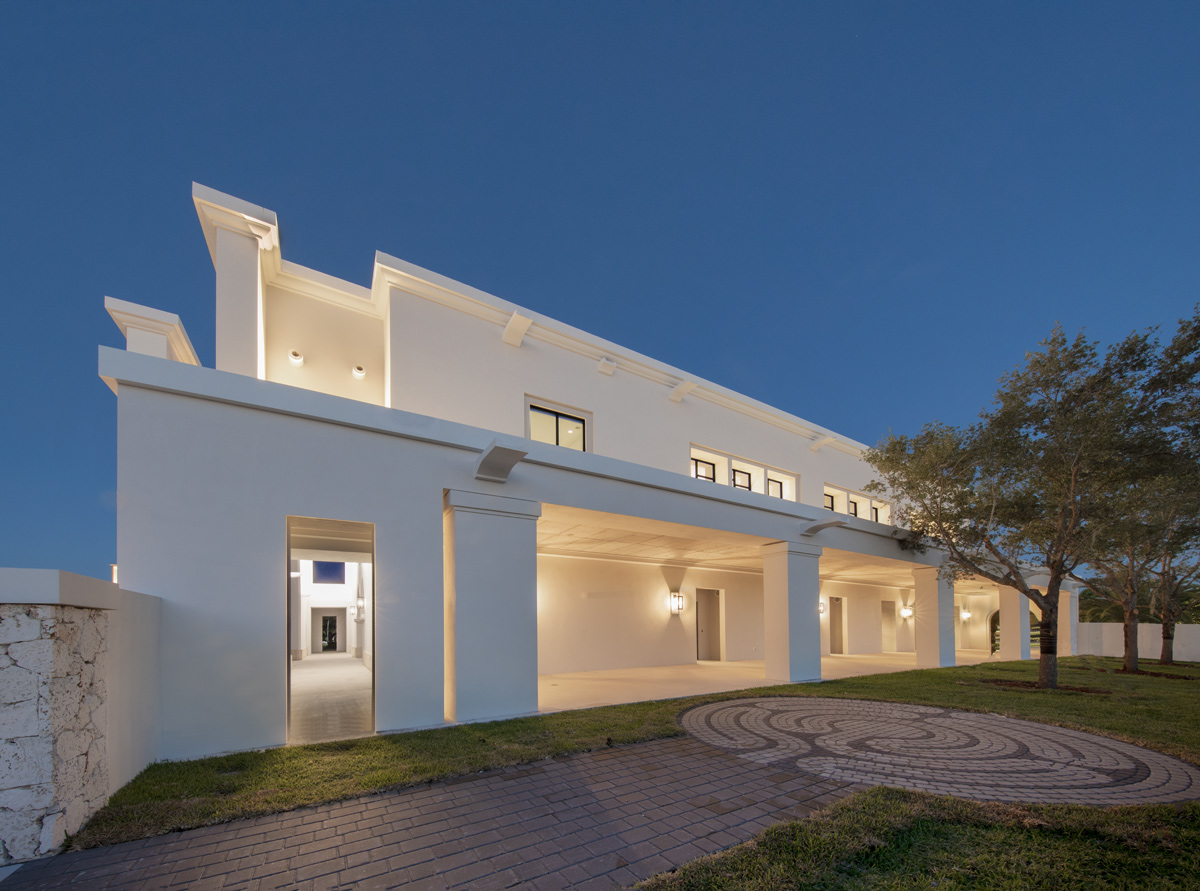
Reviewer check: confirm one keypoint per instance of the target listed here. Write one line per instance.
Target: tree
(1009, 498)
(1175, 392)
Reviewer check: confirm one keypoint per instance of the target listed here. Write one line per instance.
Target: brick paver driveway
(608, 819)
(600, 820)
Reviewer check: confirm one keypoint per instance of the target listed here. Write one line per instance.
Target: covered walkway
(588, 689)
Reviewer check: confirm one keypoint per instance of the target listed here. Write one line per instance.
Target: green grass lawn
(1157, 712)
(893, 838)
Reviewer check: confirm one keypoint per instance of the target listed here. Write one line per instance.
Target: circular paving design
(984, 757)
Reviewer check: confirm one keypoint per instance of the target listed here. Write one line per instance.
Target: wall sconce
(359, 372)
(964, 614)
(676, 602)
(906, 612)
(361, 605)
(821, 607)
(296, 357)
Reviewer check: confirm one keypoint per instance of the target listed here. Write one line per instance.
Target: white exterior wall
(452, 365)
(188, 528)
(600, 614)
(1108, 639)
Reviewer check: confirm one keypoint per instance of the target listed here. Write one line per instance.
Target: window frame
(773, 482)
(747, 475)
(830, 503)
(711, 465)
(559, 410)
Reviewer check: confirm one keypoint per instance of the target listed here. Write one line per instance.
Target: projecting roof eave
(393, 272)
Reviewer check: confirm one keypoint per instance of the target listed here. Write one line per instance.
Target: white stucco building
(461, 495)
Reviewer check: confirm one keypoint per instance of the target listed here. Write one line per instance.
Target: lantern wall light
(821, 607)
(676, 602)
(964, 614)
(906, 612)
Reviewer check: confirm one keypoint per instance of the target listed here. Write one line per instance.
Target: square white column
(933, 618)
(1068, 621)
(791, 616)
(1014, 625)
(490, 553)
(240, 335)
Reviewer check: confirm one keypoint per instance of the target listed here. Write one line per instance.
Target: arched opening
(1035, 630)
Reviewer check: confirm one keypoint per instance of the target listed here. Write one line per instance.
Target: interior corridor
(331, 698)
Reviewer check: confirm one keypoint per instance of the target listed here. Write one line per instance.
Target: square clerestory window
(557, 428)
(741, 480)
(704, 470)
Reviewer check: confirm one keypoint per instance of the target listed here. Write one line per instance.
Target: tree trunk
(1048, 657)
(1168, 642)
(1131, 638)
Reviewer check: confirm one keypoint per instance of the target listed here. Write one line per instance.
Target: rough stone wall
(53, 767)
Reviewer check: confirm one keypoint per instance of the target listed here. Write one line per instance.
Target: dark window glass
(741, 480)
(775, 488)
(704, 470)
(325, 573)
(828, 501)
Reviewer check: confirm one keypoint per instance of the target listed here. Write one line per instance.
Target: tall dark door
(328, 633)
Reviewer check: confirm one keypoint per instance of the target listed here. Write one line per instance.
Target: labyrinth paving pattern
(981, 756)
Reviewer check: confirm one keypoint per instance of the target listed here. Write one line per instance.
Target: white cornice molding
(288, 276)
(392, 272)
(142, 318)
(217, 210)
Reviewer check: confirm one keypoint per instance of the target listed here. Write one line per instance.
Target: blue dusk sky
(862, 213)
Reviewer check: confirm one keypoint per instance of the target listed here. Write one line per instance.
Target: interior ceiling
(576, 532)
(311, 533)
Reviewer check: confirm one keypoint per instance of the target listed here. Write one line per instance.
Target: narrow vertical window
(775, 488)
(828, 501)
(704, 470)
(741, 480)
(875, 514)
(853, 507)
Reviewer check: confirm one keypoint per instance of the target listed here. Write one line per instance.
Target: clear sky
(862, 213)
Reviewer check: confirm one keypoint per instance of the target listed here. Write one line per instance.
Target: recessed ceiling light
(359, 372)
(296, 357)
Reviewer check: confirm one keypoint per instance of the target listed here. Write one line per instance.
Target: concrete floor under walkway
(588, 689)
(331, 699)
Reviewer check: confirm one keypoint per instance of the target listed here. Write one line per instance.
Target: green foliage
(1079, 470)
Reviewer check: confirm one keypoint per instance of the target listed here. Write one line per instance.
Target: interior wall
(862, 614)
(599, 614)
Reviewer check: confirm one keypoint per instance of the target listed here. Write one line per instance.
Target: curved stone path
(981, 756)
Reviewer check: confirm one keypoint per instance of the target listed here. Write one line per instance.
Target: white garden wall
(1108, 639)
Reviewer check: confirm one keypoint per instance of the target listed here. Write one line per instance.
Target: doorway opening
(710, 626)
(837, 634)
(330, 653)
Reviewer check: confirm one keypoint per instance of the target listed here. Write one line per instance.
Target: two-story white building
(393, 506)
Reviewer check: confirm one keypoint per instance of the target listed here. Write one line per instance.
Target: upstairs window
(829, 501)
(875, 514)
(557, 428)
(704, 470)
(774, 488)
(741, 480)
(852, 508)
